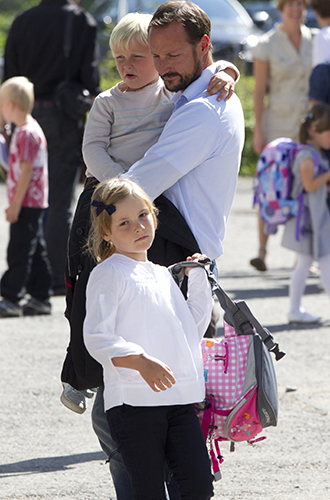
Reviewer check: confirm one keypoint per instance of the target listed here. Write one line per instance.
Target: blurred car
(233, 31)
(265, 14)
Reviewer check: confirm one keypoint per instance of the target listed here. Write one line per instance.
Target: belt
(90, 183)
(44, 103)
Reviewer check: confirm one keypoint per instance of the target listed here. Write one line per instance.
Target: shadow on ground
(48, 464)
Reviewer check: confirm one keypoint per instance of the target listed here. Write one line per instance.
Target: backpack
(241, 388)
(273, 184)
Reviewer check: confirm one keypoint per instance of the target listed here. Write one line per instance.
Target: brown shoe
(259, 264)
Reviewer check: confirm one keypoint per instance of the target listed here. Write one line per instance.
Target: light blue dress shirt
(196, 161)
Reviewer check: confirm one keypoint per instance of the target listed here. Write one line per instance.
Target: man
(196, 160)
(35, 49)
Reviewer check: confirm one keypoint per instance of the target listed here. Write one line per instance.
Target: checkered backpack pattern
(229, 412)
(240, 381)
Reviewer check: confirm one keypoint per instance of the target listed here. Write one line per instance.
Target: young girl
(311, 174)
(146, 336)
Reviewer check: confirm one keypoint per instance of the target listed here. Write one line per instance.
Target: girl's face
(135, 66)
(321, 140)
(132, 228)
(294, 12)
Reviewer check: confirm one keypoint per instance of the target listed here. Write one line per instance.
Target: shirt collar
(195, 89)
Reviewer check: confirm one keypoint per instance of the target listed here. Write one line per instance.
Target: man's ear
(205, 44)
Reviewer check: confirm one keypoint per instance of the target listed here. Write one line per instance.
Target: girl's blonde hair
(319, 116)
(131, 28)
(111, 192)
(19, 90)
(281, 3)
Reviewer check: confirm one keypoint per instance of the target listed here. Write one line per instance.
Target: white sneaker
(303, 317)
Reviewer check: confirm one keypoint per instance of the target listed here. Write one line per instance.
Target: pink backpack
(240, 380)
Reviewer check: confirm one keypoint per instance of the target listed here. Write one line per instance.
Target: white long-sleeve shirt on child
(136, 307)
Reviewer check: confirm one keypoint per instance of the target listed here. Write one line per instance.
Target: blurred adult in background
(321, 41)
(35, 49)
(282, 63)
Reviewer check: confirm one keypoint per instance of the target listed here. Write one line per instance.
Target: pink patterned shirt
(29, 143)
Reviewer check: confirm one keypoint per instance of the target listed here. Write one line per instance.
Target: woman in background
(282, 64)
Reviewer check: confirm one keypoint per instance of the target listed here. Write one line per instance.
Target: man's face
(177, 61)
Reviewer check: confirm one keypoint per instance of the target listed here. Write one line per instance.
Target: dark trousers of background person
(64, 140)
(28, 266)
(147, 436)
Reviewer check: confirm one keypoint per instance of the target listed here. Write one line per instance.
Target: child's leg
(39, 282)
(140, 433)
(324, 263)
(298, 281)
(186, 454)
(21, 247)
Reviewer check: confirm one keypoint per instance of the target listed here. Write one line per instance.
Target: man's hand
(222, 83)
(157, 375)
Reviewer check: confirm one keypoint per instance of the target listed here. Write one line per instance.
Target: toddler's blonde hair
(132, 28)
(18, 90)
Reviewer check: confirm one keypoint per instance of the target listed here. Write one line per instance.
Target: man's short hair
(19, 90)
(131, 28)
(194, 20)
(321, 7)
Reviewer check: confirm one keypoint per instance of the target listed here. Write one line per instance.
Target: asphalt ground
(50, 452)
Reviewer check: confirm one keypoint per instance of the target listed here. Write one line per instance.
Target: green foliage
(244, 90)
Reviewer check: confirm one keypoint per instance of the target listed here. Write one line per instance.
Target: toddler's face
(135, 66)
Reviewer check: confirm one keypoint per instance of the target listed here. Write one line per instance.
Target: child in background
(27, 188)
(321, 39)
(145, 334)
(124, 122)
(311, 174)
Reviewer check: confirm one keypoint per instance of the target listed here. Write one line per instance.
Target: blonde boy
(126, 120)
(27, 190)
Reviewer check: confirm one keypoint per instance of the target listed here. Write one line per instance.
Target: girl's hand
(221, 83)
(196, 257)
(157, 375)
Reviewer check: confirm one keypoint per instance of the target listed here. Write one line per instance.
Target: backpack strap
(237, 314)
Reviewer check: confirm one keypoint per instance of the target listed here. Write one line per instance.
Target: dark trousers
(28, 266)
(149, 437)
(64, 140)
